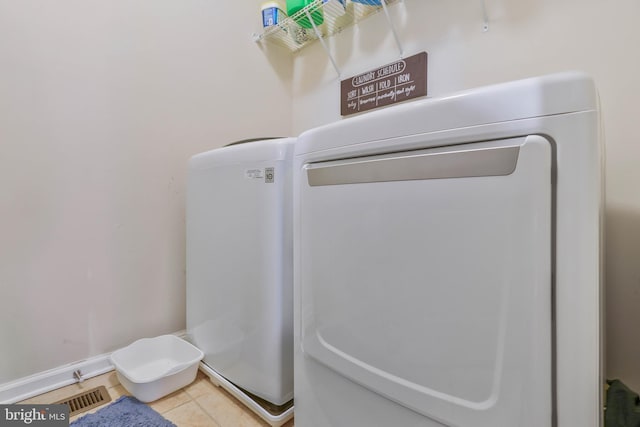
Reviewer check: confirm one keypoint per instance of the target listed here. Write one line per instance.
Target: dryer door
(426, 277)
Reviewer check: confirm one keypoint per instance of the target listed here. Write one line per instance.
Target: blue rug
(127, 411)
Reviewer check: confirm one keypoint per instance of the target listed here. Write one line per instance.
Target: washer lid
(248, 151)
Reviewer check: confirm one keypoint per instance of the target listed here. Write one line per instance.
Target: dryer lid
(553, 94)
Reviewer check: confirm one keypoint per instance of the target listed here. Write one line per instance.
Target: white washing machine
(239, 271)
(447, 262)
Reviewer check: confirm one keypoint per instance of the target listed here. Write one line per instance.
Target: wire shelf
(328, 17)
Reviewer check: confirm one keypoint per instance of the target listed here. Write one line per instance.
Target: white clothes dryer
(447, 261)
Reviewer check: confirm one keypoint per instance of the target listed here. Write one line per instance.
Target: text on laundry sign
(391, 83)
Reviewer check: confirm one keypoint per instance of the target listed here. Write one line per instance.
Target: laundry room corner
(102, 105)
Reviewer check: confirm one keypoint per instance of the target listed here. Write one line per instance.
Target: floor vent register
(86, 400)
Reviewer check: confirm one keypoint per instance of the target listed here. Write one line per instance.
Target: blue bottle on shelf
(369, 2)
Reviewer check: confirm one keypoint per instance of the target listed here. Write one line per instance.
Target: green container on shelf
(293, 6)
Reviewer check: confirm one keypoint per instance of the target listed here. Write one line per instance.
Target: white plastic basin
(151, 368)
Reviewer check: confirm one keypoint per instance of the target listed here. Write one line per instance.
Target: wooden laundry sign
(396, 82)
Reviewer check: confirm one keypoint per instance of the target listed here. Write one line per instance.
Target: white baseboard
(43, 382)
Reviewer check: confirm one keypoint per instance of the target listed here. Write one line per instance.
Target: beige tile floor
(200, 404)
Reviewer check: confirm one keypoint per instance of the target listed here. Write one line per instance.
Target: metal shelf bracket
(322, 41)
(392, 27)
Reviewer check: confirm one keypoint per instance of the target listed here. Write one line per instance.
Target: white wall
(526, 38)
(101, 104)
